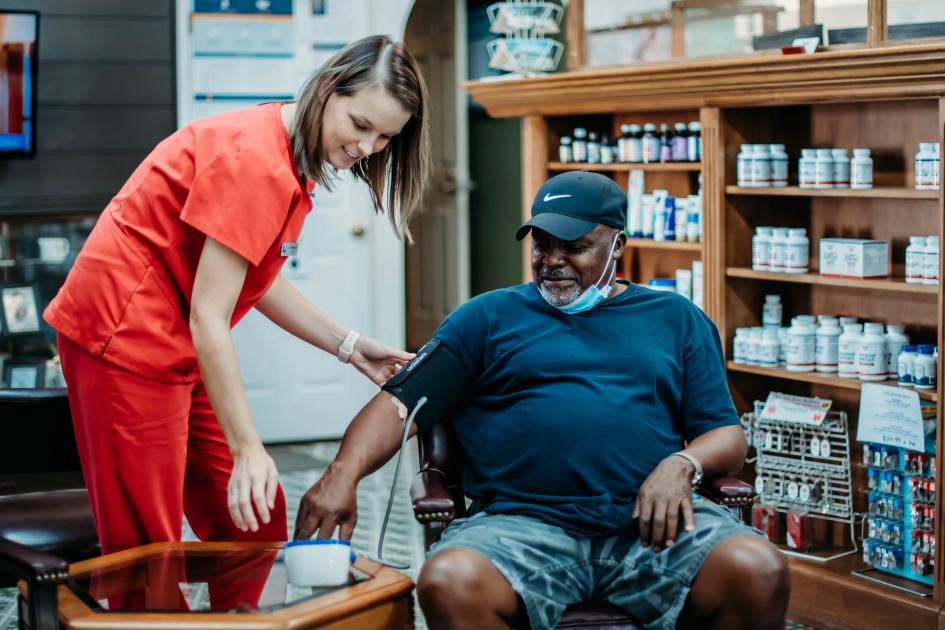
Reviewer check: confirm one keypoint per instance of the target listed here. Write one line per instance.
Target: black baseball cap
(570, 205)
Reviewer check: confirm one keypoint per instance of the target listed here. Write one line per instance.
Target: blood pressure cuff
(439, 375)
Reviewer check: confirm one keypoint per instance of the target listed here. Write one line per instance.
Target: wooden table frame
(382, 602)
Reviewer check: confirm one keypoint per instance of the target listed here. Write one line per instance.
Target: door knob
(357, 230)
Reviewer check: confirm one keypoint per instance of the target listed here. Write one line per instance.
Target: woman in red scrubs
(194, 239)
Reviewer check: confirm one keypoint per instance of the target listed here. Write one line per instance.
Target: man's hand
(663, 496)
(332, 502)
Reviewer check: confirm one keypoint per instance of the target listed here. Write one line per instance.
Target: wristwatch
(697, 474)
(347, 346)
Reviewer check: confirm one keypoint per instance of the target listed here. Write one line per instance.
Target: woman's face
(357, 125)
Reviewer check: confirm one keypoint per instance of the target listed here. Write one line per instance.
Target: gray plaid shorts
(551, 569)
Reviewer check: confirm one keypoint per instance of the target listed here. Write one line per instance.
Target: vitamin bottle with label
(740, 345)
(666, 143)
(798, 251)
(761, 249)
(771, 312)
(906, 365)
(593, 148)
(861, 169)
(695, 141)
(925, 163)
(841, 168)
(779, 165)
(744, 166)
(623, 144)
(930, 266)
(807, 168)
(760, 166)
(635, 144)
(564, 150)
(871, 356)
(768, 348)
(801, 347)
(823, 169)
(896, 338)
(915, 260)
(924, 376)
(579, 145)
(681, 142)
(754, 344)
(847, 347)
(651, 144)
(827, 345)
(779, 238)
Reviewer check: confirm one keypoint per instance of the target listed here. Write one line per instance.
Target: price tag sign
(799, 409)
(890, 416)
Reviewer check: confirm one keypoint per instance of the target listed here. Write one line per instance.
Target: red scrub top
(230, 177)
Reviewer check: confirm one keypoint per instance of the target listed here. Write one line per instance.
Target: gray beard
(559, 297)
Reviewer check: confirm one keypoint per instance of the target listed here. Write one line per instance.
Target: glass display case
(35, 257)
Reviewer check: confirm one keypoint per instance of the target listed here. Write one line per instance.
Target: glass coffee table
(225, 585)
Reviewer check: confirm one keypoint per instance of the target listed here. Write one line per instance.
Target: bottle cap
(861, 152)
(839, 153)
(695, 125)
(797, 232)
(772, 299)
(580, 132)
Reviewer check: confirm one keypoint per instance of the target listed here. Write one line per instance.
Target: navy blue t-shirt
(569, 414)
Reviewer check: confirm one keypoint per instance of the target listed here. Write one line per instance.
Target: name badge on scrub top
(290, 249)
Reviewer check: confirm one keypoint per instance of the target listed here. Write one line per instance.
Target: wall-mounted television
(19, 39)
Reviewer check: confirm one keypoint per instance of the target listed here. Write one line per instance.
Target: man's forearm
(720, 451)
(372, 438)
(287, 308)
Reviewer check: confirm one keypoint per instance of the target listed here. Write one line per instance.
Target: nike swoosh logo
(549, 197)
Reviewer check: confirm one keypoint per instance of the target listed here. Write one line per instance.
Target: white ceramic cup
(318, 562)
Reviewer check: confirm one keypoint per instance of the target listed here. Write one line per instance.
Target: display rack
(888, 99)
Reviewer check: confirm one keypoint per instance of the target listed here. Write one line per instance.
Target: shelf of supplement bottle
(894, 284)
(819, 378)
(647, 243)
(884, 192)
(623, 166)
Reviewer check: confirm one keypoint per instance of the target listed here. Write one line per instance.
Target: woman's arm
(287, 308)
(254, 480)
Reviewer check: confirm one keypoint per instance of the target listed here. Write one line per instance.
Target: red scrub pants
(152, 452)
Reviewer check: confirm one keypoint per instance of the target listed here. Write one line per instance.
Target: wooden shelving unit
(892, 284)
(881, 192)
(681, 246)
(655, 167)
(888, 99)
(818, 378)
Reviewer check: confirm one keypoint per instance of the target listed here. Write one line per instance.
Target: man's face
(564, 269)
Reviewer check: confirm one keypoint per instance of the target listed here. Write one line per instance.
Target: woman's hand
(664, 497)
(253, 483)
(377, 361)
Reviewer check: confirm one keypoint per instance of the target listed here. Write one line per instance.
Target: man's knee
(452, 577)
(756, 572)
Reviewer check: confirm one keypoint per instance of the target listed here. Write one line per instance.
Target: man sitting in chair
(594, 407)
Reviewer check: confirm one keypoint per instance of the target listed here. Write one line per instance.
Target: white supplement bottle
(754, 344)
(769, 348)
(635, 144)
(823, 169)
(782, 341)
(871, 356)
(771, 312)
(798, 251)
(740, 345)
(761, 249)
(744, 165)
(915, 260)
(761, 166)
(841, 168)
(779, 165)
(827, 345)
(801, 347)
(651, 144)
(924, 376)
(564, 150)
(847, 347)
(930, 264)
(807, 168)
(593, 148)
(896, 338)
(694, 141)
(861, 169)
(925, 160)
(579, 145)
(906, 366)
(779, 238)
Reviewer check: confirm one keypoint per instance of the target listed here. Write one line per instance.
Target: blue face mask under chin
(592, 295)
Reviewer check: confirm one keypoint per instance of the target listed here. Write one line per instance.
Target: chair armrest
(23, 563)
(432, 500)
(728, 491)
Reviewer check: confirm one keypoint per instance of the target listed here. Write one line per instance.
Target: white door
(297, 392)
(438, 264)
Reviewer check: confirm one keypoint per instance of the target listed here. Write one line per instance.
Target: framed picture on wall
(20, 310)
(24, 375)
